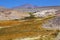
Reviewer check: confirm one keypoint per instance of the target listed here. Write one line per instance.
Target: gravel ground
(53, 23)
(58, 37)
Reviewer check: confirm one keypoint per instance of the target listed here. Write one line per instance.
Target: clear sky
(14, 3)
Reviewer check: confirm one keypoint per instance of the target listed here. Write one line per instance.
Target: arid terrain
(28, 22)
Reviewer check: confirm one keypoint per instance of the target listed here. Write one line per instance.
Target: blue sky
(14, 3)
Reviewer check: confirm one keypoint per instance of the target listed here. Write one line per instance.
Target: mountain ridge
(23, 11)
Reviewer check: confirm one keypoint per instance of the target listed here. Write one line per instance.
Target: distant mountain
(32, 8)
(3, 8)
(22, 11)
(28, 6)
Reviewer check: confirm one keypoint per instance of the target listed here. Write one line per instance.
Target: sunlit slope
(27, 28)
(18, 22)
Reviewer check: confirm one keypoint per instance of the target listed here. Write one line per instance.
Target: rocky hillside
(53, 23)
(22, 11)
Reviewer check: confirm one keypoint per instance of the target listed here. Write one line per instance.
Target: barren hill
(12, 14)
(22, 11)
(27, 28)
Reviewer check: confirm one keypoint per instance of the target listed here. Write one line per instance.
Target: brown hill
(12, 14)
